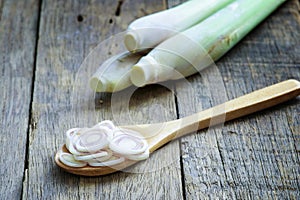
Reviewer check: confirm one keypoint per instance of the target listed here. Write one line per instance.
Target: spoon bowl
(168, 131)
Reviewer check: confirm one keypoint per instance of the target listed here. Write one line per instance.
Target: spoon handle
(241, 106)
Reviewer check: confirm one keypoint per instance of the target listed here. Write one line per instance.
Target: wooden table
(43, 44)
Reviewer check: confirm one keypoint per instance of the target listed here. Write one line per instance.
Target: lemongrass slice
(69, 135)
(88, 157)
(106, 123)
(71, 148)
(128, 144)
(71, 132)
(112, 161)
(74, 151)
(73, 138)
(69, 160)
(93, 139)
(138, 157)
(103, 158)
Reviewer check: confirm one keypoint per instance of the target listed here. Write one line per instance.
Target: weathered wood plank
(18, 22)
(256, 157)
(68, 32)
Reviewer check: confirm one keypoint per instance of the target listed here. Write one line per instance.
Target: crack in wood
(1, 8)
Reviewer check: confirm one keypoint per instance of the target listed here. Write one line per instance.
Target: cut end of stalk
(143, 72)
(131, 41)
(97, 84)
(138, 76)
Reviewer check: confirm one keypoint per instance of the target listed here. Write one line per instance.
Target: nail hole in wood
(79, 18)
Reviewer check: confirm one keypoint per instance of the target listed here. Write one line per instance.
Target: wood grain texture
(68, 32)
(17, 38)
(256, 157)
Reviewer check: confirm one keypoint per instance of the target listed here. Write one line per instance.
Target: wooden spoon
(167, 131)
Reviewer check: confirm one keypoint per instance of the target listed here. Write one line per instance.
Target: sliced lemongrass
(128, 144)
(71, 148)
(69, 134)
(74, 151)
(69, 160)
(104, 158)
(70, 145)
(72, 131)
(88, 157)
(106, 123)
(112, 161)
(72, 137)
(93, 140)
(138, 157)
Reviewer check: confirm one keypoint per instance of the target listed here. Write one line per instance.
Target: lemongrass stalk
(114, 74)
(196, 48)
(148, 31)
